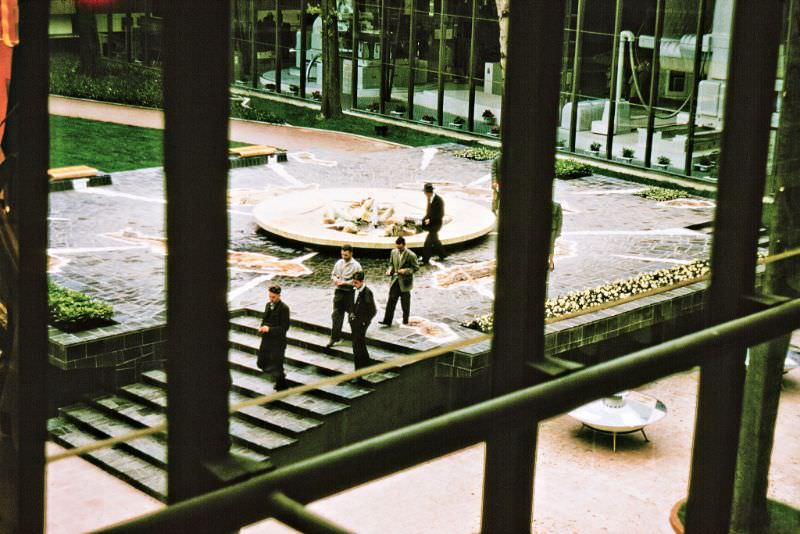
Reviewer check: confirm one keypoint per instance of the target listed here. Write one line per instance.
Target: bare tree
(88, 39)
(331, 75)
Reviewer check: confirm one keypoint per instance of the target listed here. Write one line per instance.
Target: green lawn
(105, 146)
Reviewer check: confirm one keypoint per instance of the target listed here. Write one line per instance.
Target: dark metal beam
(278, 52)
(755, 35)
(576, 76)
(440, 69)
(384, 92)
(655, 67)
(317, 477)
(303, 47)
(295, 515)
(23, 392)
(472, 25)
(697, 70)
(529, 121)
(612, 90)
(196, 163)
(412, 58)
(354, 58)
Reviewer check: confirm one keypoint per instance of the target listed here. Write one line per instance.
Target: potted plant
(495, 131)
(594, 148)
(488, 116)
(663, 162)
(458, 122)
(627, 154)
(316, 95)
(428, 119)
(399, 110)
(560, 143)
(703, 163)
(374, 107)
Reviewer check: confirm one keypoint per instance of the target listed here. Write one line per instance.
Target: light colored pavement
(283, 136)
(582, 486)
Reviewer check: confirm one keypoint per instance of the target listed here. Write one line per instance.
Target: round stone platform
(301, 216)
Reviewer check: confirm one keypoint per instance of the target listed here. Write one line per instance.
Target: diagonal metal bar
(751, 79)
(355, 464)
(294, 514)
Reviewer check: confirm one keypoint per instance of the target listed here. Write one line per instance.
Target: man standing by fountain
(342, 277)
(402, 266)
(432, 223)
(361, 313)
(274, 325)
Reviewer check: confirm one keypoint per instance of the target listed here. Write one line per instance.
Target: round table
(623, 413)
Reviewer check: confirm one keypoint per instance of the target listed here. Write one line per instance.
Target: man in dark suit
(402, 266)
(273, 329)
(432, 223)
(361, 313)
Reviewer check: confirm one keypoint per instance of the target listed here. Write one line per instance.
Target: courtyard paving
(108, 242)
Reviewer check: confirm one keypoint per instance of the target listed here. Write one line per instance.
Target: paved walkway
(107, 241)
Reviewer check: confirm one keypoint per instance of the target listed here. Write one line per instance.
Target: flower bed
(610, 292)
(478, 153)
(72, 311)
(568, 170)
(661, 194)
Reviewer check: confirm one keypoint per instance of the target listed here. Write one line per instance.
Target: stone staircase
(278, 433)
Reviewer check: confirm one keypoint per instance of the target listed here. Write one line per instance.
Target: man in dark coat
(402, 266)
(361, 313)
(432, 223)
(273, 329)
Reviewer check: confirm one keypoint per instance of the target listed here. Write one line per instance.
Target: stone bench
(63, 178)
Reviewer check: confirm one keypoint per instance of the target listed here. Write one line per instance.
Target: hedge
(72, 310)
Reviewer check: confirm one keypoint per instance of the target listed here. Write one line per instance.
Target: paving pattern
(107, 241)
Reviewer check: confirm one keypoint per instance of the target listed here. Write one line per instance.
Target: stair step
(150, 448)
(270, 414)
(242, 432)
(273, 416)
(137, 472)
(247, 363)
(244, 333)
(332, 364)
(311, 404)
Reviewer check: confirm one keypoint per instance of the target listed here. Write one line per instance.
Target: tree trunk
(88, 40)
(502, 19)
(331, 75)
(764, 374)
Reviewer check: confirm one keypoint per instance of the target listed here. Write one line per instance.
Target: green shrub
(72, 311)
(479, 153)
(627, 152)
(595, 147)
(568, 169)
(616, 290)
(660, 194)
(254, 114)
(122, 83)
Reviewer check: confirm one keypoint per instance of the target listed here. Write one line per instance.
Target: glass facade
(642, 83)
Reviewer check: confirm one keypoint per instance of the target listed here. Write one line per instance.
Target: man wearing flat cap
(432, 223)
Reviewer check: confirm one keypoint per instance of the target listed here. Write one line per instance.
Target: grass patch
(106, 146)
(103, 145)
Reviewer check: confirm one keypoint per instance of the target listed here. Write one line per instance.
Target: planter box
(457, 125)
(397, 113)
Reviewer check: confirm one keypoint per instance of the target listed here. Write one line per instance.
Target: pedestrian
(342, 277)
(432, 223)
(274, 325)
(496, 162)
(402, 266)
(555, 232)
(361, 313)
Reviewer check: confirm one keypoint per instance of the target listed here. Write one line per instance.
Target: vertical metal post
(576, 76)
(440, 79)
(412, 57)
(528, 132)
(612, 89)
(354, 59)
(756, 30)
(253, 44)
(698, 63)
(303, 47)
(23, 392)
(384, 92)
(196, 165)
(129, 31)
(471, 110)
(655, 67)
(109, 27)
(145, 30)
(278, 59)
